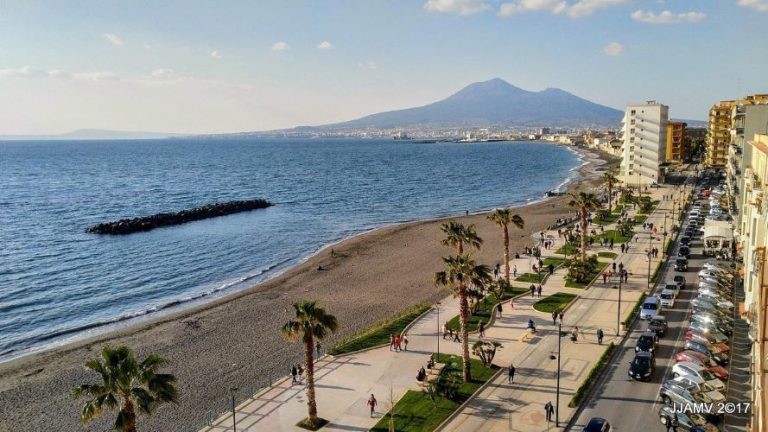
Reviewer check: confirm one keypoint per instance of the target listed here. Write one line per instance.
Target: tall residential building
(749, 117)
(719, 133)
(676, 147)
(754, 240)
(644, 134)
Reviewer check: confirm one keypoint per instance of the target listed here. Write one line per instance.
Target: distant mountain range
(494, 103)
(90, 134)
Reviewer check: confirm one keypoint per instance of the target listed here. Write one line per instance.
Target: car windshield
(645, 341)
(707, 375)
(642, 362)
(657, 323)
(667, 296)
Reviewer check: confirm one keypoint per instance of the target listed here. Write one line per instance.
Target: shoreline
(239, 328)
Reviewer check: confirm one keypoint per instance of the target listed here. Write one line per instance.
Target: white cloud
(29, 72)
(758, 5)
(163, 73)
(667, 17)
(58, 73)
(460, 7)
(280, 46)
(613, 49)
(96, 76)
(22, 72)
(216, 54)
(576, 9)
(325, 45)
(114, 39)
(368, 65)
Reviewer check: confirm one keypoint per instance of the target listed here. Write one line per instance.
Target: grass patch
(531, 277)
(610, 255)
(635, 310)
(656, 273)
(556, 262)
(484, 311)
(592, 275)
(379, 333)
(640, 218)
(568, 249)
(417, 411)
(609, 219)
(615, 235)
(555, 302)
(584, 387)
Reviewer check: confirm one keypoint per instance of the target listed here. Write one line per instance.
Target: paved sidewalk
(344, 383)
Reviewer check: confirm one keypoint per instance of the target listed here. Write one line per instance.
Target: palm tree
(457, 235)
(502, 218)
(311, 322)
(127, 385)
(610, 180)
(461, 271)
(584, 202)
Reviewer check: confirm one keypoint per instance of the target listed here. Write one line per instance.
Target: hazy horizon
(197, 68)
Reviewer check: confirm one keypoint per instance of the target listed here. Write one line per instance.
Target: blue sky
(207, 66)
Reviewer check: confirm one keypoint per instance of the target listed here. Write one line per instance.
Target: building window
(632, 112)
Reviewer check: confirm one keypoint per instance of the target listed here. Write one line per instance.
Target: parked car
(675, 392)
(699, 385)
(647, 342)
(681, 264)
(642, 366)
(714, 337)
(597, 424)
(686, 421)
(685, 240)
(667, 298)
(679, 280)
(704, 302)
(684, 251)
(703, 340)
(693, 369)
(658, 324)
(672, 286)
(651, 306)
(696, 358)
(719, 358)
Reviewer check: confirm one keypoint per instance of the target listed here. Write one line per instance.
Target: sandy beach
(235, 341)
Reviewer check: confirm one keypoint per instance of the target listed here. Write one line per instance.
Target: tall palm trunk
(130, 422)
(309, 357)
(584, 227)
(463, 316)
(506, 251)
(610, 197)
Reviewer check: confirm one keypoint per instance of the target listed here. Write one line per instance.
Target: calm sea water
(57, 282)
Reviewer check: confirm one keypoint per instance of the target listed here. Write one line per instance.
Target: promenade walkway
(344, 383)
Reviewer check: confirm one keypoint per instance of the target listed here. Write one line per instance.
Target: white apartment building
(644, 135)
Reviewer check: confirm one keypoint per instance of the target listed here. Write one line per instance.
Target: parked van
(667, 298)
(651, 306)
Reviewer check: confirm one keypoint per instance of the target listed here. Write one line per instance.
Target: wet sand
(235, 341)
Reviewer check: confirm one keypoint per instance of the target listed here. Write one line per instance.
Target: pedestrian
(372, 403)
(561, 317)
(600, 336)
(294, 373)
(610, 244)
(405, 342)
(482, 329)
(514, 271)
(301, 372)
(671, 422)
(533, 290)
(445, 330)
(317, 348)
(551, 269)
(498, 308)
(548, 410)
(450, 332)
(575, 334)
(511, 373)
(554, 317)
(605, 277)
(456, 337)
(622, 248)
(391, 342)
(538, 291)
(613, 265)
(397, 343)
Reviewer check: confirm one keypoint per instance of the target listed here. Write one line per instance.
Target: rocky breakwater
(147, 223)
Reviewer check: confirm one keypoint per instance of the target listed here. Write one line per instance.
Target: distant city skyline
(194, 67)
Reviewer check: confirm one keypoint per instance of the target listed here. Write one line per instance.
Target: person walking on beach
(405, 342)
(538, 291)
(600, 336)
(372, 403)
(294, 373)
(548, 410)
(482, 329)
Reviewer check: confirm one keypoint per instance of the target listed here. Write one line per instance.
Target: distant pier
(147, 223)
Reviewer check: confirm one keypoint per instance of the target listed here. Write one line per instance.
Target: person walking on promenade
(613, 265)
(605, 277)
(575, 334)
(372, 403)
(445, 330)
(610, 244)
(600, 336)
(405, 342)
(397, 342)
(554, 317)
(514, 271)
(294, 373)
(548, 410)
(300, 369)
(533, 290)
(317, 348)
(561, 317)
(551, 269)
(538, 291)
(391, 342)
(482, 329)
(456, 337)
(512, 369)
(498, 308)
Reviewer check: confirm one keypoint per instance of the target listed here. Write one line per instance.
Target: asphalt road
(632, 405)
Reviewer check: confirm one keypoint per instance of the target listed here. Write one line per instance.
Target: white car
(667, 298)
(697, 384)
(689, 369)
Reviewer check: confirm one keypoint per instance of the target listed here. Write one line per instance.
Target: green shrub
(555, 302)
(378, 334)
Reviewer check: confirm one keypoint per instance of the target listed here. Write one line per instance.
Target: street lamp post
(557, 396)
(437, 307)
(664, 243)
(618, 311)
(234, 420)
(649, 270)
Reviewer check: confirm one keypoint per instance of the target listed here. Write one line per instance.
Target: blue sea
(58, 282)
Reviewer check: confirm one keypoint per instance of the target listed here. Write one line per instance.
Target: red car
(706, 362)
(702, 339)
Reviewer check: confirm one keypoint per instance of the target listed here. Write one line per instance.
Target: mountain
(494, 102)
(90, 134)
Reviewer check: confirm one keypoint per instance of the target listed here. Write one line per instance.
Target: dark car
(658, 325)
(685, 240)
(690, 232)
(641, 368)
(647, 342)
(681, 264)
(688, 422)
(719, 358)
(684, 252)
(597, 424)
(680, 281)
